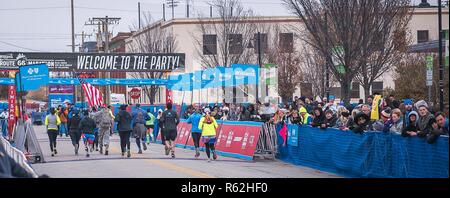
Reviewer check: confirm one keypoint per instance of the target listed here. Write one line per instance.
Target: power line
(10, 44)
(37, 8)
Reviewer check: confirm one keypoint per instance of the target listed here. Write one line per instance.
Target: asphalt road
(154, 164)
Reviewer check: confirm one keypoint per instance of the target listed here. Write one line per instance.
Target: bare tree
(345, 24)
(389, 45)
(313, 70)
(154, 39)
(231, 31)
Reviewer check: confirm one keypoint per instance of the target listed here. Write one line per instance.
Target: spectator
(361, 120)
(294, 118)
(319, 118)
(369, 100)
(343, 119)
(411, 128)
(330, 118)
(306, 118)
(381, 123)
(408, 109)
(395, 124)
(308, 104)
(436, 127)
(245, 114)
(361, 101)
(424, 120)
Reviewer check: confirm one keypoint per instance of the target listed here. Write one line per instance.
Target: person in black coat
(74, 130)
(319, 118)
(360, 122)
(123, 119)
(436, 128)
(330, 118)
(87, 126)
(413, 126)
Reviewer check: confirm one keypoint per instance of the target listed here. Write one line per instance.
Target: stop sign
(135, 93)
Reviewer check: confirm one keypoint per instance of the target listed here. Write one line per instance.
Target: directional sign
(33, 77)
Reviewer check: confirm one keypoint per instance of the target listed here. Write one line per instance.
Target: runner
(87, 126)
(208, 125)
(170, 120)
(139, 130)
(160, 127)
(150, 123)
(74, 130)
(194, 120)
(123, 119)
(104, 119)
(94, 113)
(52, 122)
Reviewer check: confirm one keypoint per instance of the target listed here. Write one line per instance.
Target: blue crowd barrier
(372, 154)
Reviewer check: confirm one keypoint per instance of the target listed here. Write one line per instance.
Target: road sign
(135, 93)
(33, 77)
(430, 60)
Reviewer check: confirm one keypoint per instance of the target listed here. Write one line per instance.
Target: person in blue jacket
(194, 119)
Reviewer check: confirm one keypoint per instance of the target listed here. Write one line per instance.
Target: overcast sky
(45, 25)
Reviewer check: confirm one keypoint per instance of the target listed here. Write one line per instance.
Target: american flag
(94, 96)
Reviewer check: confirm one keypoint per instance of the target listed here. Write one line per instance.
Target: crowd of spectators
(406, 117)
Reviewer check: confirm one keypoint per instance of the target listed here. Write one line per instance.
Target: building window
(287, 42)
(377, 87)
(209, 44)
(235, 44)
(355, 90)
(264, 43)
(422, 36)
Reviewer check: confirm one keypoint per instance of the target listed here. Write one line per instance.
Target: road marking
(174, 167)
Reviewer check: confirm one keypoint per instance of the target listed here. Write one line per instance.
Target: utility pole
(172, 4)
(73, 27)
(260, 66)
(164, 12)
(441, 65)
(187, 8)
(139, 15)
(210, 11)
(105, 22)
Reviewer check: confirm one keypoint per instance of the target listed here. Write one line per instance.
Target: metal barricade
(267, 142)
(18, 156)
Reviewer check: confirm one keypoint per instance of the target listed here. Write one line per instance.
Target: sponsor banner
(55, 100)
(234, 139)
(12, 108)
(293, 134)
(96, 81)
(110, 62)
(61, 89)
(33, 76)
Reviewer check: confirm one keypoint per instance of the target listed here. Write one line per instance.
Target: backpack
(105, 121)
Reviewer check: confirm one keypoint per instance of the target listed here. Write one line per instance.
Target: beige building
(192, 41)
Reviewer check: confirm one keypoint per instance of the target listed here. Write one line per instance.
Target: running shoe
(145, 147)
(197, 153)
(209, 160)
(140, 152)
(106, 152)
(128, 153)
(87, 154)
(173, 155)
(56, 152)
(123, 154)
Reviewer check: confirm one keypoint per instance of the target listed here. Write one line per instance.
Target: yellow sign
(375, 114)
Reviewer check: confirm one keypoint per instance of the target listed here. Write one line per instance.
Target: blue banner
(292, 134)
(96, 81)
(33, 76)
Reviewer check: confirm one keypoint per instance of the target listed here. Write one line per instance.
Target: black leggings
(209, 147)
(138, 142)
(96, 140)
(52, 134)
(124, 140)
(196, 138)
(75, 136)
